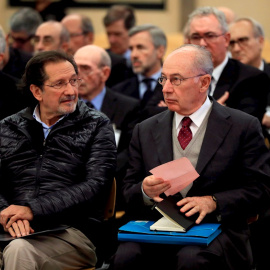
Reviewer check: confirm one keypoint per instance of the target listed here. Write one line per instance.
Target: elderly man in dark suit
(148, 45)
(94, 66)
(247, 87)
(227, 149)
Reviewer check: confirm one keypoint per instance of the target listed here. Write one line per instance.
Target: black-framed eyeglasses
(47, 40)
(175, 80)
(19, 40)
(77, 34)
(74, 82)
(207, 37)
(242, 41)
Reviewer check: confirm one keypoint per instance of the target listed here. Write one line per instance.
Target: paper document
(180, 173)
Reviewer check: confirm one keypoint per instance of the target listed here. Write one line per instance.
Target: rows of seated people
(127, 83)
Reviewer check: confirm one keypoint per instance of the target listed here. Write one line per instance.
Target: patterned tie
(185, 134)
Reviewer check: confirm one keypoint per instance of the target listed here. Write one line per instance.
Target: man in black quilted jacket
(57, 165)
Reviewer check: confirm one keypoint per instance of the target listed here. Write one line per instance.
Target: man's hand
(20, 228)
(162, 104)
(222, 100)
(204, 205)
(153, 187)
(13, 213)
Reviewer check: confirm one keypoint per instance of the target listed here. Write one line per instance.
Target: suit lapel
(108, 105)
(217, 129)
(162, 135)
(226, 79)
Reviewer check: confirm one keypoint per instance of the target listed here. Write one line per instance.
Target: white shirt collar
(197, 117)
(261, 67)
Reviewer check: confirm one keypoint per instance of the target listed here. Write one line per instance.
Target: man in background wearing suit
(94, 66)
(247, 86)
(244, 87)
(227, 149)
(148, 45)
(51, 36)
(246, 45)
(118, 20)
(81, 32)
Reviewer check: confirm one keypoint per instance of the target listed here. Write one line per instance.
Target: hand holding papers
(180, 173)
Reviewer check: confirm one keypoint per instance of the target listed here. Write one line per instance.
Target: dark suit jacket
(248, 88)
(123, 112)
(233, 165)
(130, 87)
(119, 70)
(17, 62)
(11, 99)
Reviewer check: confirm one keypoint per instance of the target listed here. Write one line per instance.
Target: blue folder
(139, 231)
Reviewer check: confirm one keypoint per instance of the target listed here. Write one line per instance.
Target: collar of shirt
(98, 100)
(261, 67)
(142, 86)
(127, 56)
(46, 129)
(197, 117)
(216, 74)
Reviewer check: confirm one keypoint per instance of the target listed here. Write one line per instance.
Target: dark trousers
(131, 255)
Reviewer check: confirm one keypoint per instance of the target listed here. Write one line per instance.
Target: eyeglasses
(74, 82)
(175, 80)
(21, 41)
(47, 40)
(208, 38)
(76, 34)
(240, 41)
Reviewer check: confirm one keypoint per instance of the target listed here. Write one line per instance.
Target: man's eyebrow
(174, 74)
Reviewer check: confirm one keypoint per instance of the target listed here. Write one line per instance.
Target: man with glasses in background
(228, 151)
(94, 67)
(81, 33)
(245, 88)
(51, 35)
(246, 45)
(57, 166)
(23, 25)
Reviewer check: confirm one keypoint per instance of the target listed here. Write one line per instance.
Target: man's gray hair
(206, 11)
(64, 34)
(257, 27)
(87, 26)
(25, 19)
(2, 40)
(157, 35)
(105, 60)
(202, 63)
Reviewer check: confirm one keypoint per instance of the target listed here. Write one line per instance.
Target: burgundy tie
(185, 134)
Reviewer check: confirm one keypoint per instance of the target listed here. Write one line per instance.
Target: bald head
(51, 36)
(94, 66)
(80, 29)
(229, 14)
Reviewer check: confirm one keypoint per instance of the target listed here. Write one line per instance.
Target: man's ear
(65, 47)
(1, 57)
(161, 51)
(36, 91)
(106, 71)
(89, 38)
(205, 82)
